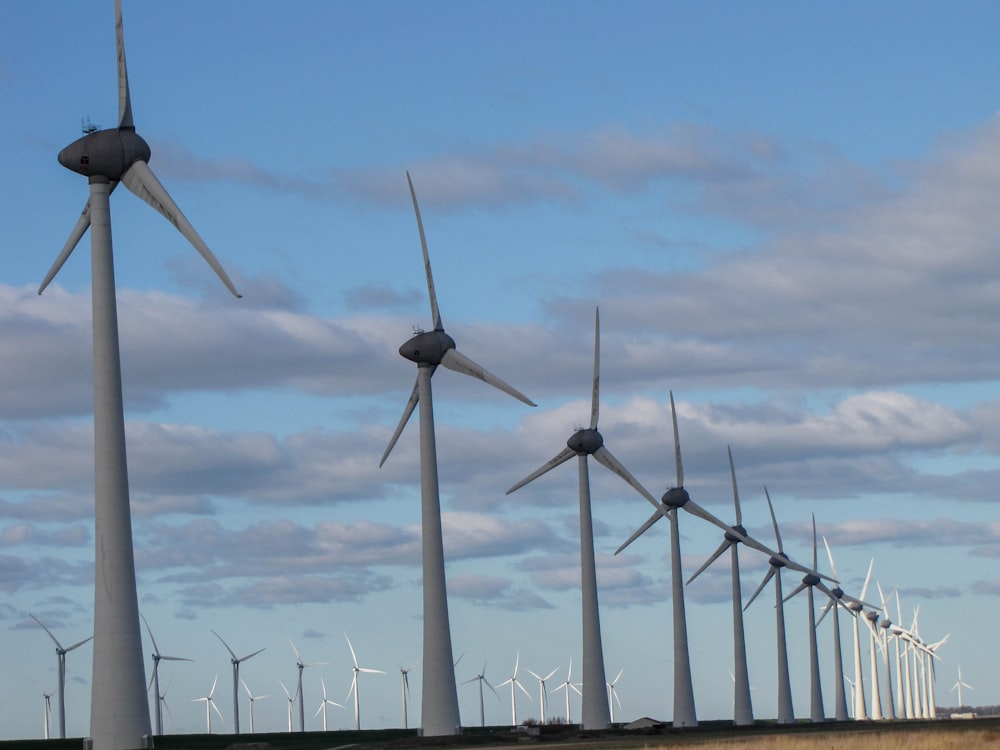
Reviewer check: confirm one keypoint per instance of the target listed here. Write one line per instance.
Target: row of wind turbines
(119, 713)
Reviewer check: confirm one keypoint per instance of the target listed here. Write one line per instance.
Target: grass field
(911, 735)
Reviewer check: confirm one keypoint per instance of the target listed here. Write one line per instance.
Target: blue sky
(785, 212)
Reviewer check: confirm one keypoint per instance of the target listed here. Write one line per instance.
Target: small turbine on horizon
(155, 680)
(236, 661)
(354, 683)
(61, 656)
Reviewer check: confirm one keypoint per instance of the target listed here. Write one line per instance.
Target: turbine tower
(428, 349)
(236, 661)
(583, 444)
(742, 706)
(155, 681)
(119, 714)
(61, 656)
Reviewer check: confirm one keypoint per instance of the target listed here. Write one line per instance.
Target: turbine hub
(873, 616)
(837, 592)
(731, 537)
(105, 153)
(778, 562)
(886, 623)
(585, 441)
(810, 579)
(675, 497)
(427, 347)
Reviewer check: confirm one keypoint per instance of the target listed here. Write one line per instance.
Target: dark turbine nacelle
(675, 497)
(105, 153)
(779, 561)
(585, 441)
(810, 579)
(737, 537)
(427, 347)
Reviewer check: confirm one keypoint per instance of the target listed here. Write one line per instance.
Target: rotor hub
(586, 441)
(739, 536)
(777, 562)
(427, 347)
(810, 579)
(675, 497)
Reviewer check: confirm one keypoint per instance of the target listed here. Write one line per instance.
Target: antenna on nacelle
(87, 127)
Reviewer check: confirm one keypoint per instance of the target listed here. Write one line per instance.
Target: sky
(785, 212)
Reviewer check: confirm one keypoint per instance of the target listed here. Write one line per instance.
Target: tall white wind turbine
(674, 499)
(155, 681)
(542, 697)
(61, 666)
(209, 705)
(613, 695)
(586, 443)
(299, 666)
(481, 678)
(322, 706)
(291, 702)
(236, 661)
(837, 599)
(885, 625)
(252, 699)
(856, 608)
(742, 705)
(119, 714)
(354, 683)
(514, 684)
(777, 561)
(959, 684)
(404, 674)
(568, 685)
(428, 349)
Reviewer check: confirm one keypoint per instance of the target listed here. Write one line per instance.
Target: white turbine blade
(139, 178)
(214, 683)
(411, 404)
(800, 587)
(693, 508)
(435, 313)
(864, 589)
(774, 521)
(212, 704)
(370, 671)
(714, 556)
(353, 655)
(767, 577)
(295, 651)
(455, 360)
(736, 492)
(253, 654)
(549, 675)
(562, 457)
(56, 640)
(82, 224)
(642, 529)
(829, 605)
(595, 399)
(603, 456)
(174, 658)
(522, 689)
(156, 649)
(576, 690)
(226, 645)
(677, 443)
(124, 100)
(829, 555)
(77, 645)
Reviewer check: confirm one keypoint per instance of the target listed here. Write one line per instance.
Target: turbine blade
(736, 492)
(139, 178)
(715, 556)
(435, 313)
(603, 456)
(677, 443)
(353, 655)
(595, 399)
(156, 649)
(562, 457)
(864, 589)
(829, 555)
(226, 645)
(82, 224)
(407, 412)
(80, 643)
(124, 100)
(253, 654)
(829, 605)
(774, 521)
(641, 530)
(767, 577)
(800, 587)
(455, 360)
(55, 640)
(692, 507)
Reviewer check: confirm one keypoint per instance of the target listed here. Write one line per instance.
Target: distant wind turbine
(253, 699)
(236, 661)
(291, 702)
(354, 683)
(542, 702)
(61, 657)
(613, 695)
(481, 678)
(583, 444)
(567, 686)
(300, 665)
(155, 680)
(209, 705)
(47, 697)
(324, 703)
(119, 714)
(404, 673)
(514, 683)
(959, 684)
(428, 349)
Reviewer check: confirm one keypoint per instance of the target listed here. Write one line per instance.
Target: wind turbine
(209, 705)
(542, 702)
(957, 686)
(613, 695)
(252, 698)
(300, 665)
(742, 705)
(583, 444)
(777, 561)
(428, 349)
(236, 661)
(673, 499)
(61, 657)
(155, 681)
(47, 697)
(567, 686)
(481, 678)
(119, 715)
(354, 683)
(291, 702)
(514, 683)
(323, 704)
(889, 710)
(856, 608)
(404, 673)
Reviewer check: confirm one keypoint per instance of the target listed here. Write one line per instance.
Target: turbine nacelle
(837, 592)
(778, 561)
(675, 497)
(105, 153)
(810, 579)
(736, 534)
(586, 441)
(427, 347)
